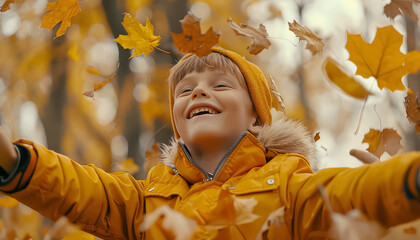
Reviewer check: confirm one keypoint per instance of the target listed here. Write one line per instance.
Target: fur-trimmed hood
(284, 135)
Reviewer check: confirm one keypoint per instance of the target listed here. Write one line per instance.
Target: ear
(255, 127)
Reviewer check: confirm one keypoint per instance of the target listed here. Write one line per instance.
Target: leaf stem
(160, 49)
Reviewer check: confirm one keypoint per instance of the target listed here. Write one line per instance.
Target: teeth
(198, 110)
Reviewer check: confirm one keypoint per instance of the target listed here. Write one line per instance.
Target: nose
(199, 92)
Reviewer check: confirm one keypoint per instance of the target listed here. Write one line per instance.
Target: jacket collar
(284, 135)
(245, 154)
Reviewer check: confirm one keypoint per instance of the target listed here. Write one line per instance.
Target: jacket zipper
(209, 176)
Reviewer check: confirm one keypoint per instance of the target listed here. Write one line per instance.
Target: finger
(364, 156)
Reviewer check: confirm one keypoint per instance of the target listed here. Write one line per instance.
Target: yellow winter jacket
(112, 206)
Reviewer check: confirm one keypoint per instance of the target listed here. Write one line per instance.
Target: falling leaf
(398, 7)
(258, 36)
(139, 37)
(60, 11)
(6, 5)
(174, 221)
(152, 156)
(9, 202)
(98, 86)
(379, 142)
(275, 12)
(354, 226)
(93, 70)
(129, 166)
(316, 137)
(346, 83)
(275, 218)
(191, 40)
(72, 53)
(61, 227)
(313, 42)
(412, 108)
(231, 211)
(382, 58)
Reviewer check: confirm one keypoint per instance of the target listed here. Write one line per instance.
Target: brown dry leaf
(258, 36)
(354, 226)
(316, 137)
(345, 82)
(173, 221)
(398, 7)
(6, 5)
(379, 142)
(60, 11)
(382, 58)
(232, 211)
(9, 202)
(275, 218)
(61, 228)
(129, 166)
(98, 86)
(191, 40)
(313, 42)
(152, 157)
(412, 108)
(140, 38)
(72, 53)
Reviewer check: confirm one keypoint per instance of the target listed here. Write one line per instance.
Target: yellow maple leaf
(128, 166)
(139, 37)
(379, 142)
(6, 5)
(8, 202)
(60, 11)
(72, 53)
(382, 59)
(346, 83)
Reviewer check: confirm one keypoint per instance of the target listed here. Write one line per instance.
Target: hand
(364, 156)
(8, 154)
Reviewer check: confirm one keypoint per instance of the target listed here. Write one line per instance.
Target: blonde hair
(213, 61)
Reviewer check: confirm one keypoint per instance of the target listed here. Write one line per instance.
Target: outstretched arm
(8, 154)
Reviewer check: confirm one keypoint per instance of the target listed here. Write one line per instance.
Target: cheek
(178, 112)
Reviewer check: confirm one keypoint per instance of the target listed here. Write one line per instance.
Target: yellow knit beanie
(255, 80)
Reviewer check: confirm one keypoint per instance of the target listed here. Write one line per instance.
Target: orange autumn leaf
(275, 218)
(60, 11)
(258, 36)
(317, 137)
(8, 202)
(173, 221)
(191, 40)
(140, 38)
(410, 230)
(379, 142)
(129, 166)
(72, 53)
(231, 211)
(93, 70)
(398, 7)
(412, 108)
(313, 42)
(382, 59)
(6, 5)
(345, 82)
(98, 86)
(152, 156)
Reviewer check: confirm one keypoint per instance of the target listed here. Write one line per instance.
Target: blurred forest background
(41, 87)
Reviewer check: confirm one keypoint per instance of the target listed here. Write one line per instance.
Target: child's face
(212, 105)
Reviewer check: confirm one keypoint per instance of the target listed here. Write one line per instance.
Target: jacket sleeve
(106, 205)
(385, 192)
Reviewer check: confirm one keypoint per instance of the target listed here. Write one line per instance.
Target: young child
(227, 141)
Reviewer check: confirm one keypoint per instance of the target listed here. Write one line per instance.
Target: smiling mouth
(201, 111)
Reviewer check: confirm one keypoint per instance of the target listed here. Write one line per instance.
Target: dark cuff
(24, 157)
